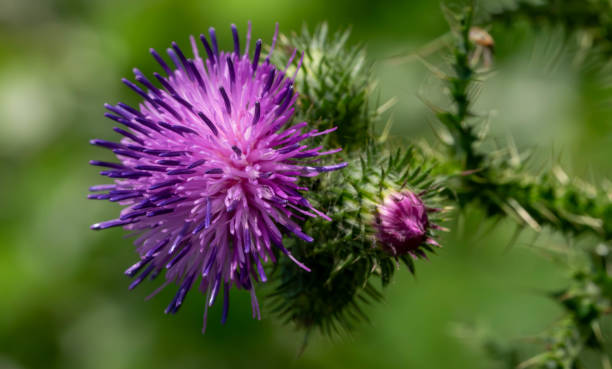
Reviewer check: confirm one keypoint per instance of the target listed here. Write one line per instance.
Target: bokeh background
(64, 301)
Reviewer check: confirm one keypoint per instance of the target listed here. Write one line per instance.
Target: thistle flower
(209, 170)
(403, 225)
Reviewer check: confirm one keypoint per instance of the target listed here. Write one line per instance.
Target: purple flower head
(403, 225)
(208, 169)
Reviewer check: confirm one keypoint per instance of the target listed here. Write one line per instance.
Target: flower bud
(403, 225)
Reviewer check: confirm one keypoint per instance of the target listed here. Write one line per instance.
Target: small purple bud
(402, 224)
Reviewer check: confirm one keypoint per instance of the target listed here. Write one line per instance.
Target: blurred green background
(64, 301)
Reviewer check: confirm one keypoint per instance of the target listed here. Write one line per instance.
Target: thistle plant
(504, 187)
(225, 186)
